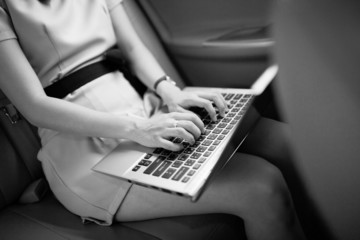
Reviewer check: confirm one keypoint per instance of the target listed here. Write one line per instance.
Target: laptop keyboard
(182, 165)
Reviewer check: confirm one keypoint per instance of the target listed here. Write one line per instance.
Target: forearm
(145, 66)
(142, 61)
(21, 85)
(64, 116)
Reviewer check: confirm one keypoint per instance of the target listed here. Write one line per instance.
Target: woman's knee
(269, 194)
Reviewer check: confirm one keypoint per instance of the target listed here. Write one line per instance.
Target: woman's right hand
(157, 130)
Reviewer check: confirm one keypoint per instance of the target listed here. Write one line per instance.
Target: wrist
(166, 87)
(134, 130)
(164, 80)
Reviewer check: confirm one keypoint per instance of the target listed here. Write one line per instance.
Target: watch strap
(163, 78)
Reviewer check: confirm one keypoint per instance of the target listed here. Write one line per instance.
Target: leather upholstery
(15, 174)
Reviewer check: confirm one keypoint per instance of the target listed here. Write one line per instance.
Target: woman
(42, 42)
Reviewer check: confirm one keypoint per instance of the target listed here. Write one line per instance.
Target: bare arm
(21, 85)
(142, 61)
(23, 88)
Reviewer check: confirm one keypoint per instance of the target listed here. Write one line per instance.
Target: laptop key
(162, 168)
(185, 144)
(226, 131)
(201, 138)
(172, 156)
(144, 163)
(201, 149)
(221, 137)
(207, 143)
(189, 162)
(208, 153)
(212, 148)
(196, 166)
(226, 120)
(183, 157)
(202, 160)
(148, 156)
(195, 155)
(166, 152)
(216, 142)
(229, 96)
(191, 172)
(158, 150)
(189, 150)
(154, 165)
(169, 172)
(212, 136)
(177, 164)
(230, 126)
(217, 130)
(136, 168)
(237, 96)
(180, 173)
(185, 179)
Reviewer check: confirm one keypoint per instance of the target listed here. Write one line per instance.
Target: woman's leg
(248, 187)
(271, 140)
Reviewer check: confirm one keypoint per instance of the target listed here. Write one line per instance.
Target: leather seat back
(318, 88)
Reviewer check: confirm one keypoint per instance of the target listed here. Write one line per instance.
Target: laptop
(187, 172)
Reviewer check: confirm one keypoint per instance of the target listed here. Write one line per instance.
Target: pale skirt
(67, 159)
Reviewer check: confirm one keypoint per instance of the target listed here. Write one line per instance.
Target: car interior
(227, 44)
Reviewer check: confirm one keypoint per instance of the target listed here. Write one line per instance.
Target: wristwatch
(164, 78)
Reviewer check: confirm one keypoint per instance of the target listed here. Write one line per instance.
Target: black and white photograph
(179, 119)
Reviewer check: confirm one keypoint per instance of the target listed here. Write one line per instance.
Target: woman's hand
(179, 101)
(158, 130)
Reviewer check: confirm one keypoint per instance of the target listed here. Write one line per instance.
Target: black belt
(113, 61)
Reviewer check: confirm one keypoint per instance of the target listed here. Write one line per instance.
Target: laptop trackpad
(126, 154)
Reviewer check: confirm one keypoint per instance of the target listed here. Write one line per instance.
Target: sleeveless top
(58, 36)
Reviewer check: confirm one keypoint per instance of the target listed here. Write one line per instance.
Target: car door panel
(212, 42)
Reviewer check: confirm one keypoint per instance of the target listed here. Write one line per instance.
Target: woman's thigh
(232, 191)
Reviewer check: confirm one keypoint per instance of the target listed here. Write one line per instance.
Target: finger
(189, 116)
(181, 133)
(190, 127)
(207, 104)
(218, 100)
(168, 145)
(175, 108)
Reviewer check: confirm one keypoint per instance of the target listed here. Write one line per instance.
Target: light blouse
(58, 37)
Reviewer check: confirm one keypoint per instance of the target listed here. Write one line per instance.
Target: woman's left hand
(179, 101)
